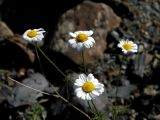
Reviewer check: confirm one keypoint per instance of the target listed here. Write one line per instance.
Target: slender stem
(57, 96)
(31, 87)
(116, 97)
(116, 92)
(75, 107)
(67, 83)
(94, 107)
(83, 61)
(67, 89)
(90, 108)
(114, 117)
(36, 44)
(51, 61)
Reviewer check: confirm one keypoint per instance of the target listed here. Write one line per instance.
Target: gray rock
(22, 95)
(123, 91)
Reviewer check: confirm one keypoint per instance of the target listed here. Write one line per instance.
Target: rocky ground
(136, 75)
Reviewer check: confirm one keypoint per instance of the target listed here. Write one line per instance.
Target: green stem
(90, 108)
(39, 59)
(116, 97)
(67, 89)
(114, 116)
(83, 61)
(51, 61)
(94, 107)
(116, 92)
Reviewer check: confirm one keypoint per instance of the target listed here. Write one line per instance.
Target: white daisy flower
(34, 35)
(127, 46)
(81, 39)
(88, 87)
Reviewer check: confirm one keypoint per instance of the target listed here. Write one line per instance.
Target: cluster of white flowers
(87, 87)
(80, 40)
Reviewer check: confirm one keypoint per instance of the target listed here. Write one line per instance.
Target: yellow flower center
(32, 33)
(81, 37)
(127, 46)
(88, 87)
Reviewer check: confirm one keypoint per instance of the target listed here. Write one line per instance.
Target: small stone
(149, 90)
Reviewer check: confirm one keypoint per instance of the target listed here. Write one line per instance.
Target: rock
(140, 63)
(22, 95)
(1, 1)
(15, 47)
(123, 91)
(5, 31)
(86, 16)
(150, 90)
(157, 117)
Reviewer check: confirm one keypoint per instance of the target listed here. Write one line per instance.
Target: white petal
(91, 39)
(130, 42)
(135, 50)
(79, 94)
(124, 51)
(93, 96)
(95, 93)
(88, 97)
(27, 31)
(100, 90)
(122, 41)
(95, 81)
(35, 39)
(83, 77)
(72, 41)
(119, 45)
(79, 32)
(40, 37)
(27, 38)
(78, 89)
(79, 82)
(79, 46)
(74, 45)
(99, 87)
(83, 95)
(89, 33)
(90, 77)
(73, 34)
(91, 44)
(41, 32)
(135, 46)
(87, 44)
(25, 34)
(39, 29)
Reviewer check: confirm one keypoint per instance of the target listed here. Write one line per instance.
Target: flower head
(88, 87)
(34, 34)
(81, 39)
(128, 46)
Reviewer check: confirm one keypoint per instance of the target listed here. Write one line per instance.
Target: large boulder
(86, 16)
